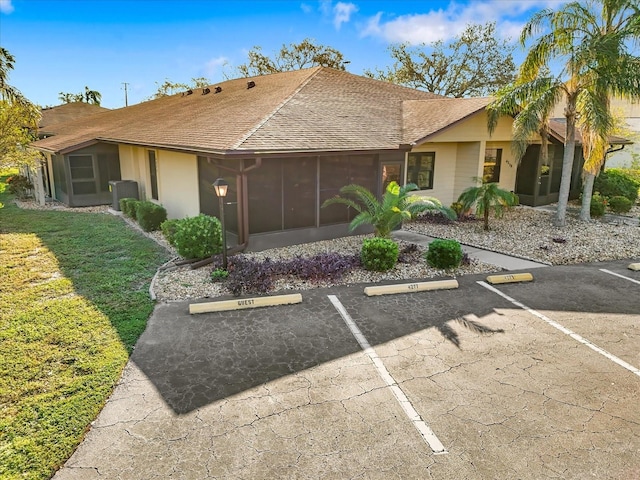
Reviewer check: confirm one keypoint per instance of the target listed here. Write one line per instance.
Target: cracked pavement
(286, 392)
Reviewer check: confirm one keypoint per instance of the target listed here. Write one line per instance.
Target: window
(492, 160)
(83, 180)
(420, 169)
(153, 174)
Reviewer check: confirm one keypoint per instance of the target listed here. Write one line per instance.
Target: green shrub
(150, 215)
(20, 186)
(379, 254)
(617, 182)
(620, 204)
(444, 254)
(129, 207)
(169, 228)
(198, 237)
(219, 275)
(598, 205)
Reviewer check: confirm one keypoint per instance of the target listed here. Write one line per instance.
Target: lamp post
(221, 187)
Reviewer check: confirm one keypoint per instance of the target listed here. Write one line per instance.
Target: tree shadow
(194, 360)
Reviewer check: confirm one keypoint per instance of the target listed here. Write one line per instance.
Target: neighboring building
(285, 143)
(50, 117)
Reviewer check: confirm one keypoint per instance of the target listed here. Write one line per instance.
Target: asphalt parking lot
(524, 381)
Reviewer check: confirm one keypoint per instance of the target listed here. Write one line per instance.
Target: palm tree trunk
(587, 192)
(567, 161)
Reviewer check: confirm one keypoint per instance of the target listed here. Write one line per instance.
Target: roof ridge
(278, 107)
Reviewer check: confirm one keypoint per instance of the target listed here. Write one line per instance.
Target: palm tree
(488, 197)
(396, 206)
(618, 74)
(9, 93)
(92, 96)
(575, 38)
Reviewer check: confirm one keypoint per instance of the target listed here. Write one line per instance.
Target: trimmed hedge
(169, 228)
(150, 215)
(620, 204)
(198, 237)
(444, 254)
(129, 207)
(617, 182)
(379, 254)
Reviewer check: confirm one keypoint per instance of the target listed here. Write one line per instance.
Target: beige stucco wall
(132, 161)
(178, 183)
(470, 159)
(444, 170)
(177, 178)
(460, 156)
(474, 129)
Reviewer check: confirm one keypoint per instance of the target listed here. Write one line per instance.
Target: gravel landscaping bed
(529, 233)
(524, 232)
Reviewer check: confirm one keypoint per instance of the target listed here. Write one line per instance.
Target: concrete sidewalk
(506, 262)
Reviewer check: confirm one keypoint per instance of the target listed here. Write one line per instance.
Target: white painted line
(425, 432)
(618, 275)
(565, 330)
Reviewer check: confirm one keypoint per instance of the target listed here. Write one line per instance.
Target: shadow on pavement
(194, 360)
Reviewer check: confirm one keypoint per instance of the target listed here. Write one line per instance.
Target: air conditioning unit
(122, 189)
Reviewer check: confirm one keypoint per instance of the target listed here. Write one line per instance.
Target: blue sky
(63, 45)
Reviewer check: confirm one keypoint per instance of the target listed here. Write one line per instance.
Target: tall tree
(18, 119)
(168, 87)
(614, 26)
(572, 38)
(88, 96)
(8, 93)
(293, 57)
(475, 63)
(92, 96)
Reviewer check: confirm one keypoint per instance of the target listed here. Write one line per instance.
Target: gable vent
(251, 84)
(205, 91)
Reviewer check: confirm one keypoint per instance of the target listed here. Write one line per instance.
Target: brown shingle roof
(558, 127)
(424, 118)
(52, 116)
(312, 109)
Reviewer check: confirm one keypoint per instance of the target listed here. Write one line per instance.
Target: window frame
(431, 168)
(153, 173)
(496, 166)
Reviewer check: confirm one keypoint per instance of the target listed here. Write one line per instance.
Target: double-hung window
(420, 169)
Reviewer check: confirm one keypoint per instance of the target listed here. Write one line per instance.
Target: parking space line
(425, 432)
(564, 330)
(618, 275)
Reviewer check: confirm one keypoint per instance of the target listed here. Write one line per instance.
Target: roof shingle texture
(312, 109)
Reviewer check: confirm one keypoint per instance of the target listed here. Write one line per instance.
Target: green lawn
(73, 302)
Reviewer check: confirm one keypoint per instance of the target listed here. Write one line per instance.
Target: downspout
(610, 150)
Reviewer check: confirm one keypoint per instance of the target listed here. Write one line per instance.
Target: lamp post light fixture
(221, 187)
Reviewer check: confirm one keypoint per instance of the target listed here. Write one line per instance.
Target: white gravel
(523, 231)
(529, 233)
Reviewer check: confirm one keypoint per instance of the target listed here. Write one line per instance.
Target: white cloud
(215, 65)
(342, 13)
(445, 24)
(306, 8)
(6, 7)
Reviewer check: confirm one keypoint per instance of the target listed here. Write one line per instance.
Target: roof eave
(447, 127)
